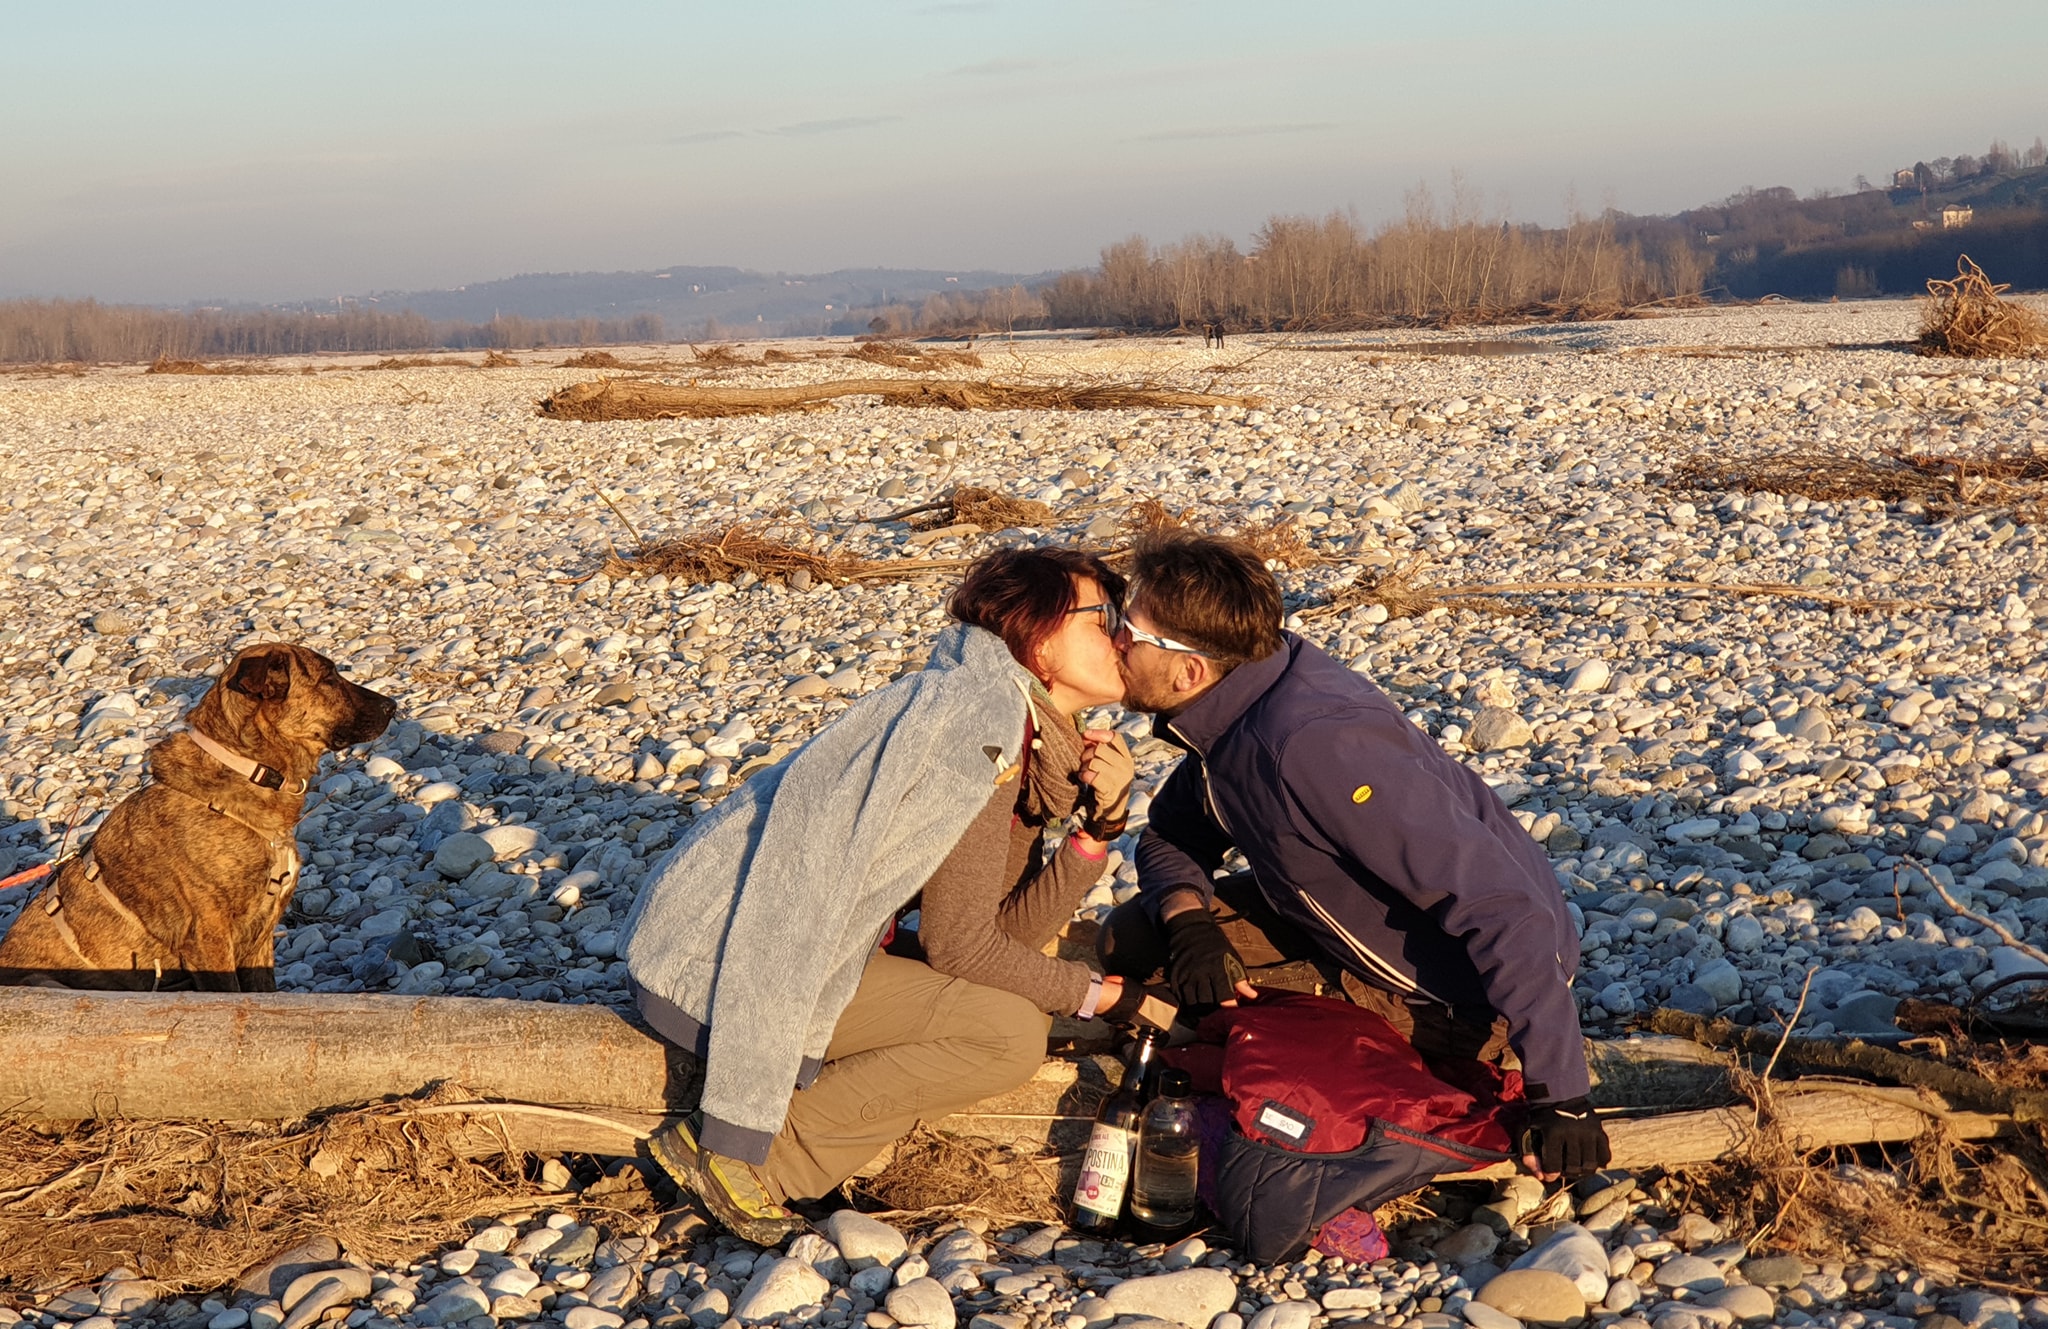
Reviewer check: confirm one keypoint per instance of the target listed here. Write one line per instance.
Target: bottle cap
(1174, 1083)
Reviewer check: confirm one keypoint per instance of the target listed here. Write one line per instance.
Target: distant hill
(694, 302)
(1873, 241)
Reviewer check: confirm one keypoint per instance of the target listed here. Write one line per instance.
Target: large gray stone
(1591, 676)
(461, 854)
(955, 1247)
(1779, 1271)
(1745, 1301)
(1192, 1297)
(780, 1288)
(921, 1303)
(1690, 1272)
(355, 1282)
(1284, 1315)
(337, 1288)
(273, 1276)
(459, 1301)
(1535, 1296)
(1482, 1316)
(613, 1289)
(864, 1241)
(1496, 729)
(1474, 1241)
(1574, 1252)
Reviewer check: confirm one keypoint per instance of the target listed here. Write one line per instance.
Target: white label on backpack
(1105, 1170)
(1293, 1125)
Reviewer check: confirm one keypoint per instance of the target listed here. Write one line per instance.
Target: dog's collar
(255, 772)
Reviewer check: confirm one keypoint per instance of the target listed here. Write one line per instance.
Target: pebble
(863, 1241)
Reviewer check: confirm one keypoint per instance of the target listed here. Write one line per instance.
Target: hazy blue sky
(279, 150)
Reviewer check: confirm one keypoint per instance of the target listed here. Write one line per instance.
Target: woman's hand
(1107, 768)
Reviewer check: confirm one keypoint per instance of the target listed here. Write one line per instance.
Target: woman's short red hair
(1024, 595)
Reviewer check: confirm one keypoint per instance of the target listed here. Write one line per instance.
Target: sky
(254, 152)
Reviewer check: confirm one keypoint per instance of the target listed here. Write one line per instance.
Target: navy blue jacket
(1400, 861)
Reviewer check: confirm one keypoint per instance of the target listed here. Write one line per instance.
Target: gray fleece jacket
(749, 937)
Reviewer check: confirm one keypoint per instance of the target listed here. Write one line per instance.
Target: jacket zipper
(1365, 954)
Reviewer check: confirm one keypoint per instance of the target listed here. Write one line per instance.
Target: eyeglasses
(1112, 618)
(1114, 625)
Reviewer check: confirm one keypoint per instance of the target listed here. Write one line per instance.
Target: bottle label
(1105, 1171)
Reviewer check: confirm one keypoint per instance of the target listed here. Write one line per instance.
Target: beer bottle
(1105, 1178)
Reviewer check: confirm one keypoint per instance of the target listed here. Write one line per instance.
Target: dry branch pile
(640, 399)
(723, 555)
(1278, 541)
(498, 360)
(189, 1204)
(986, 508)
(931, 1173)
(1945, 484)
(1980, 1208)
(165, 364)
(898, 356)
(718, 357)
(593, 360)
(1966, 317)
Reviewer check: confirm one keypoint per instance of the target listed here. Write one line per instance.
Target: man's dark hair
(1023, 595)
(1209, 592)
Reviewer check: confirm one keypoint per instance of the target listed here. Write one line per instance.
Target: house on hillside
(1956, 215)
(1904, 178)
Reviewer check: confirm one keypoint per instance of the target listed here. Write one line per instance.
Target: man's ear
(266, 676)
(1193, 672)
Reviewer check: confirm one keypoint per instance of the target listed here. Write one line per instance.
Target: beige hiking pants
(912, 1045)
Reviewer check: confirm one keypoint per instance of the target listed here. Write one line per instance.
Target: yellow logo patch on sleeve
(1361, 794)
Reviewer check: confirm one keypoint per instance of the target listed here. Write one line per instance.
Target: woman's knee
(1013, 1032)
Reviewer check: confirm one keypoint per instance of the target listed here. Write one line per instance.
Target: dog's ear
(266, 676)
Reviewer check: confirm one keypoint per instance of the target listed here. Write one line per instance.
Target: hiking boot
(731, 1190)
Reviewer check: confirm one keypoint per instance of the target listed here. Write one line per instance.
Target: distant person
(759, 943)
(1373, 853)
(1213, 334)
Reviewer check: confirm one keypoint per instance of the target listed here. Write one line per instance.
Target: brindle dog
(186, 878)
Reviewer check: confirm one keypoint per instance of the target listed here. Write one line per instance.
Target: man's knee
(1129, 943)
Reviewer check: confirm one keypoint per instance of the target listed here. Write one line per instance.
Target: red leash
(36, 873)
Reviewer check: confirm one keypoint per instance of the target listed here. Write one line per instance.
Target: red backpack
(1332, 1109)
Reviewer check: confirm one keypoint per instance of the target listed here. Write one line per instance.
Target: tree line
(54, 331)
(1334, 273)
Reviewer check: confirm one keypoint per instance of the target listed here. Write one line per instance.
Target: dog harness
(281, 874)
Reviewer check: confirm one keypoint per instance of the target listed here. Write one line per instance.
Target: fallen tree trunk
(281, 1056)
(588, 1079)
(644, 399)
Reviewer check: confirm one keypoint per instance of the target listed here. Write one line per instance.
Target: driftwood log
(549, 1078)
(645, 399)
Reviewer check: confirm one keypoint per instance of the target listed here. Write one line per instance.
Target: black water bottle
(1105, 1181)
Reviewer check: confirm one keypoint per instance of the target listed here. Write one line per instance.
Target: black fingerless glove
(1566, 1138)
(1203, 968)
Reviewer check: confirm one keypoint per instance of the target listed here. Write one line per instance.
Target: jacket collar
(1215, 712)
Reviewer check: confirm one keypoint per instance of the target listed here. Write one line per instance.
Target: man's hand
(1107, 768)
(1203, 968)
(1564, 1140)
